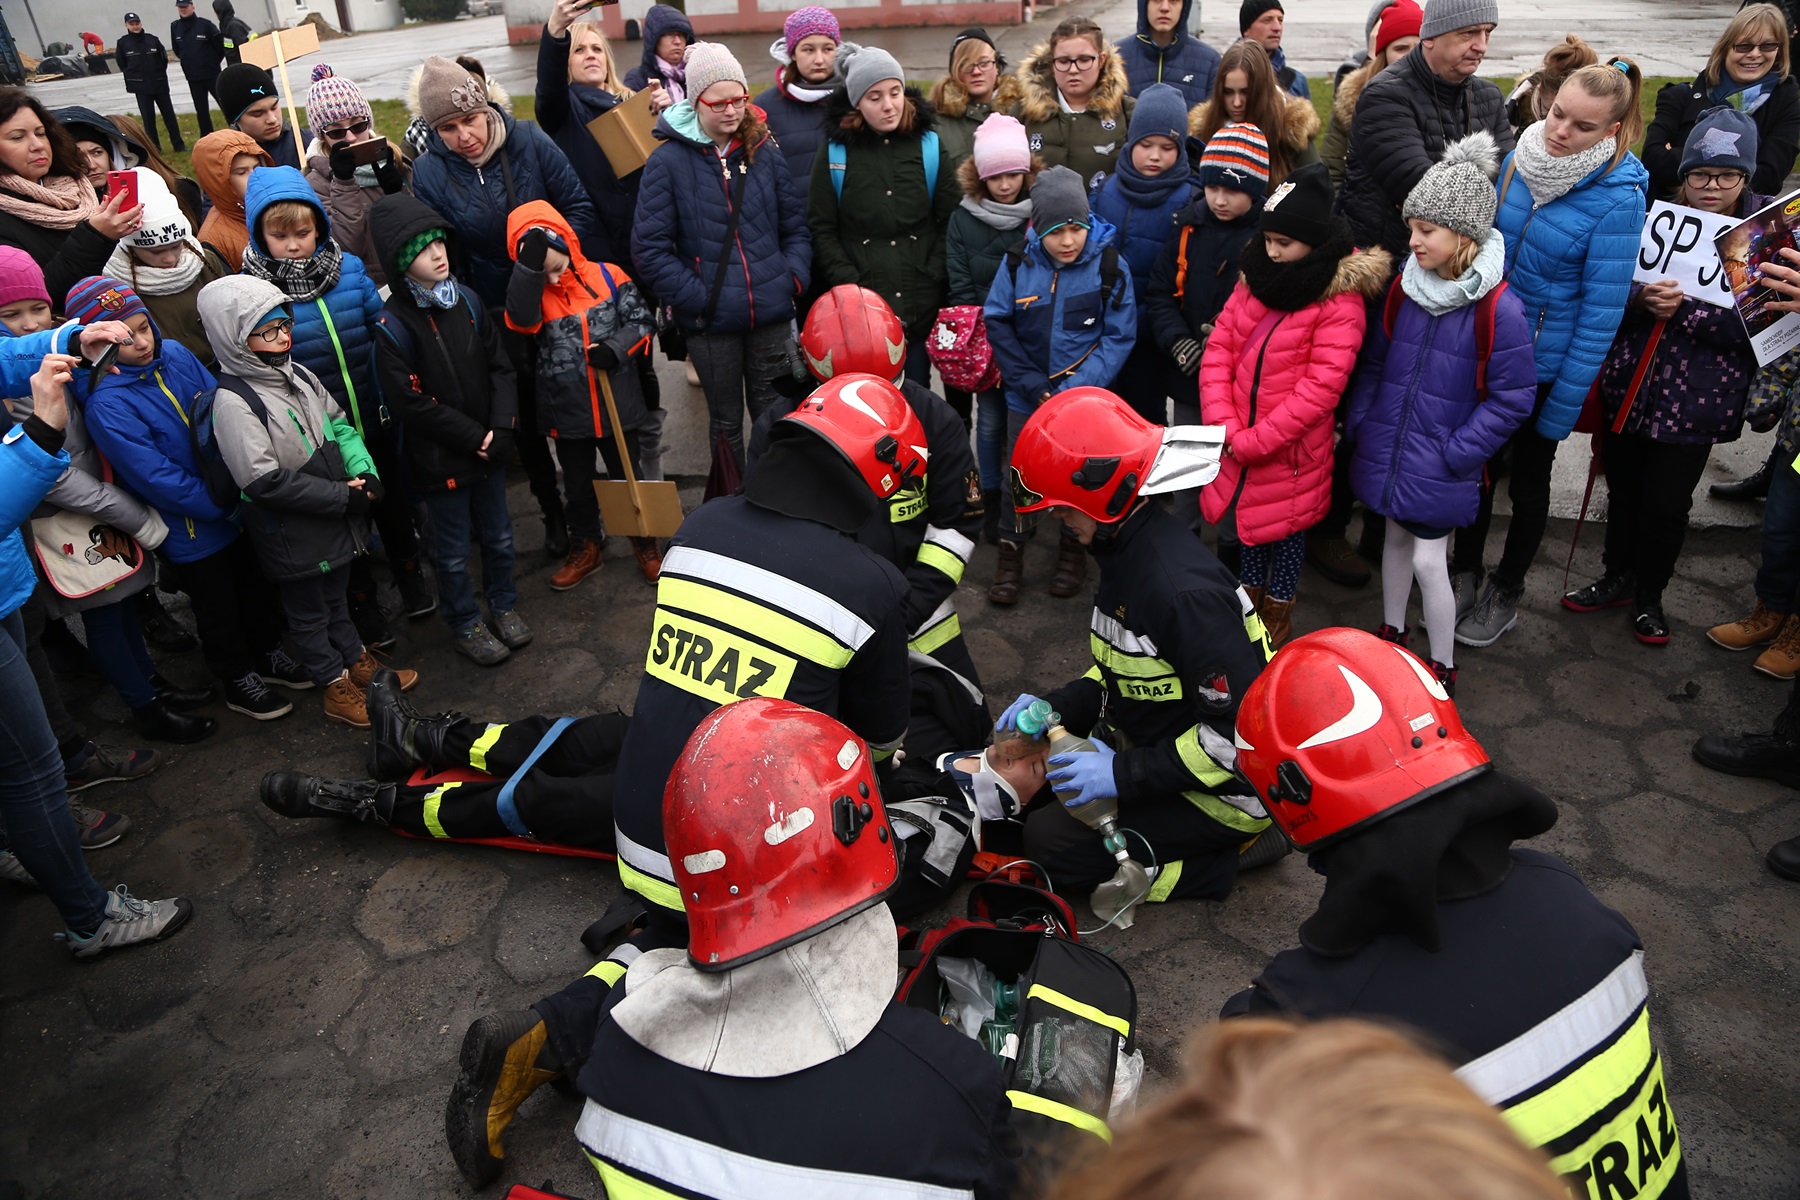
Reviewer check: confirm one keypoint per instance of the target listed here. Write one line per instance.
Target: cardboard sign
(1743, 250)
(624, 133)
(272, 52)
(1678, 243)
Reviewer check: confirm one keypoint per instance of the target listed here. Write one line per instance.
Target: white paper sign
(1678, 243)
(1744, 249)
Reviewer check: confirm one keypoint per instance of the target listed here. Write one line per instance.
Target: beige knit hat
(447, 90)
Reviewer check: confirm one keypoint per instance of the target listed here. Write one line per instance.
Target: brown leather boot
(1256, 597)
(344, 703)
(364, 668)
(649, 557)
(583, 560)
(1278, 619)
(1071, 567)
(1008, 572)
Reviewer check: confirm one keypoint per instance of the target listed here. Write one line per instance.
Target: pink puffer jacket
(1279, 425)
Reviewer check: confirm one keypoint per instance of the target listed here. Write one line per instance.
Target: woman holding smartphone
(349, 164)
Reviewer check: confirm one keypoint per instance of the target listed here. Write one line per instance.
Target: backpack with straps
(1484, 328)
(220, 486)
(928, 149)
(1110, 275)
(402, 337)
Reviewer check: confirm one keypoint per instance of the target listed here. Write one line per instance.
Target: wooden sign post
(271, 52)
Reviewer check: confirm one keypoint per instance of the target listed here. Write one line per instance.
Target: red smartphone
(125, 182)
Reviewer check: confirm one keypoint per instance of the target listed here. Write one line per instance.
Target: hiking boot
(1337, 560)
(1782, 659)
(512, 630)
(96, 764)
(1784, 859)
(1009, 571)
(371, 621)
(1751, 487)
(183, 698)
(161, 629)
(344, 702)
(990, 517)
(481, 647)
(1446, 676)
(583, 560)
(1278, 620)
(253, 698)
(1773, 755)
(649, 558)
(416, 600)
(128, 922)
(505, 1057)
(295, 795)
(1265, 849)
(1388, 633)
(556, 535)
(279, 668)
(400, 738)
(1465, 589)
(98, 829)
(1071, 567)
(14, 872)
(1494, 613)
(1608, 591)
(364, 668)
(1648, 625)
(1762, 626)
(159, 720)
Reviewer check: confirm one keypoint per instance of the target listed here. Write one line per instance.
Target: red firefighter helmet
(872, 425)
(1342, 729)
(775, 830)
(852, 331)
(1083, 449)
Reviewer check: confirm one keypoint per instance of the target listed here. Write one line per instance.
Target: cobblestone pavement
(299, 1037)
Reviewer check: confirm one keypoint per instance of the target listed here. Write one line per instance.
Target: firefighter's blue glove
(1010, 718)
(1090, 775)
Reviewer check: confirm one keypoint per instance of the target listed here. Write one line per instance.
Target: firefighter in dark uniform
(1499, 955)
(762, 594)
(929, 530)
(1175, 642)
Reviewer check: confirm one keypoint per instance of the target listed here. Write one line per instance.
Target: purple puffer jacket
(1694, 392)
(1419, 437)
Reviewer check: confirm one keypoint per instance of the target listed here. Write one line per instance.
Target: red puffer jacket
(1275, 393)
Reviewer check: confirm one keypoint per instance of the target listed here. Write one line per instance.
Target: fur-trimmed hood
(1336, 267)
(1343, 101)
(844, 123)
(1037, 88)
(1299, 125)
(496, 93)
(1364, 271)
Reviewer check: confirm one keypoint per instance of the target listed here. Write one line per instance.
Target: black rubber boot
(400, 739)
(159, 720)
(160, 629)
(295, 795)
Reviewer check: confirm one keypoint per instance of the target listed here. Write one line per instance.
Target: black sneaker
(416, 600)
(1608, 591)
(252, 697)
(281, 670)
(105, 764)
(1649, 625)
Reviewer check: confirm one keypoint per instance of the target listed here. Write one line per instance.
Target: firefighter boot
(400, 739)
(295, 795)
(505, 1058)
(1071, 567)
(1009, 570)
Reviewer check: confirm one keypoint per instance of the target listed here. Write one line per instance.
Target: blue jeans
(33, 805)
(115, 641)
(990, 438)
(478, 510)
(1778, 578)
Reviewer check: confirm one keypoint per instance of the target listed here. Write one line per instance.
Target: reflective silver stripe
(941, 613)
(707, 1170)
(1558, 1042)
(643, 857)
(625, 954)
(767, 587)
(950, 540)
(1121, 638)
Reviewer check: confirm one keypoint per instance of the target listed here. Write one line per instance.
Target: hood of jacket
(1037, 88)
(541, 214)
(1181, 26)
(659, 20)
(77, 115)
(844, 121)
(212, 167)
(680, 123)
(1343, 101)
(396, 220)
(223, 10)
(273, 185)
(231, 307)
(1299, 124)
(496, 93)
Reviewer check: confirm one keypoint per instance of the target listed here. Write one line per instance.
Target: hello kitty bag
(958, 347)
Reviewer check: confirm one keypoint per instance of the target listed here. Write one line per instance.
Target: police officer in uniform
(1432, 917)
(145, 65)
(1175, 642)
(762, 594)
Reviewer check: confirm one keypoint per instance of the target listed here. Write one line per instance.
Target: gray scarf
(1000, 216)
(1553, 178)
(1437, 295)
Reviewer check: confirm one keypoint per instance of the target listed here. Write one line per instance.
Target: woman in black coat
(47, 207)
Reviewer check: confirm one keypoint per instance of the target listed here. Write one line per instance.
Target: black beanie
(980, 35)
(1249, 10)
(241, 85)
(1301, 207)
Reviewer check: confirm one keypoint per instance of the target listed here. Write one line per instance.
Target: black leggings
(576, 455)
(1651, 488)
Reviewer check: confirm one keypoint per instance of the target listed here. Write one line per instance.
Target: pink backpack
(958, 347)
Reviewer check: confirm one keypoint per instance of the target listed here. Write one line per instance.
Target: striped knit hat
(98, 298)
(1237, 157)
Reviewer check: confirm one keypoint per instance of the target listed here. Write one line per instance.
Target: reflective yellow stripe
(608, 971)
(713, 662)
(1225, 814)
(1638, 1150)
(664, 895)
(1259, 634)
(941, 559)
(1058, 1112)
(904, 506)
(1093, 673)
(882, 753)
(1199, 763)
(620, 1186)
(1125, 664)
(1586, 1090)
(1165, 882)
(1086, 1011)
(758, 620)
(945, 631)
(433, 801)
(479, 751)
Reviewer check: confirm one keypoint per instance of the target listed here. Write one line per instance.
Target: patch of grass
(391, 119)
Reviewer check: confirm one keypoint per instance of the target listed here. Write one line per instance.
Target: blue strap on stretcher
(509, 812)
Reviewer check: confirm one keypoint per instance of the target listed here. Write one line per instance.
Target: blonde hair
(1464, 256)
(1560, 61)
(289, 214)
(1618, 80)
(1743, 27)
(1336, 1110)
(950, 97)
(614, 83)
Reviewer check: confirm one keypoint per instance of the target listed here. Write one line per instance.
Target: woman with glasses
(1074, 102)
(348, 188)
(1748, 70)
(977, 86)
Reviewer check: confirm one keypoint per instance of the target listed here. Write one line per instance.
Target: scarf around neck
(157, 281)
(1553, 178)
(1437, 295)
(1745, 97)
(992, 213)
(496, 139)
(301, 280)
(1148, 191)
(674, 77)
(798, 90)
(55, 202)
(441, 294)
(1292, 286)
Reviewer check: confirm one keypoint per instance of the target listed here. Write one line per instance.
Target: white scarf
(1553, 178)
(157, 281)
(1437, 295)
(1000, 216)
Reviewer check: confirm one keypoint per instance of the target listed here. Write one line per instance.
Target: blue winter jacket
(1050, 327)
(26, 471)
(139, 420)
(1420, 438)
(1297, 84)
(477, 200)
(1570, 264)
(678, 238)
(334, 335)
(798, 126)
(1145, 221)
(1186, 63)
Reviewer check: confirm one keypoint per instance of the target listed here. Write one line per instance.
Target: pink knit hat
(333, 100)
(21, 278)
(1000, 147)
(803, 23)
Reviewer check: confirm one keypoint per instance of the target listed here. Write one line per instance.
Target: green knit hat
(415, 246)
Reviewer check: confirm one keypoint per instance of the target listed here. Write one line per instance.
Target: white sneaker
(14, 872)
(129, 921)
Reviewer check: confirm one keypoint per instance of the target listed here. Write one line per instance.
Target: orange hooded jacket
(224, 228)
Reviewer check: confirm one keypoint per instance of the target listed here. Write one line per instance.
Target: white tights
(1406, 558)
